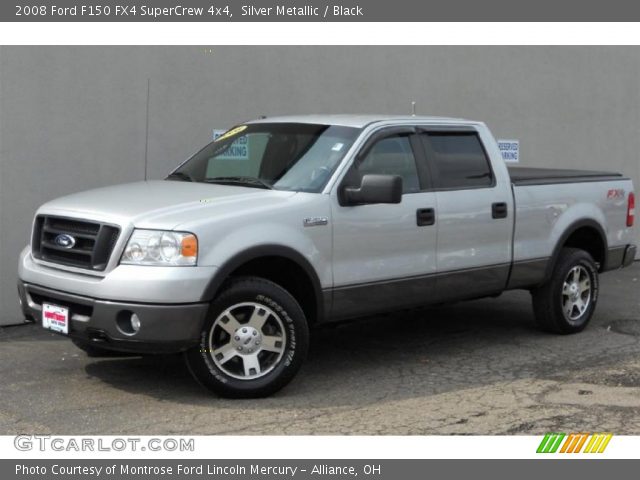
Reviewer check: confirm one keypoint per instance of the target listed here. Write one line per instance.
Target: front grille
(92, 247)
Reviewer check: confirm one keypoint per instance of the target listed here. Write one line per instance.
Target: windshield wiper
(180, 176)
(239, 180)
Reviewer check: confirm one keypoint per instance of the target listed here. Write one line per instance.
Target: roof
(358, 121)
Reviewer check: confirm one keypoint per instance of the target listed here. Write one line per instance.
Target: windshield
(283, 156)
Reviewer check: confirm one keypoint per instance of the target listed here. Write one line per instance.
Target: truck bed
(547, 176)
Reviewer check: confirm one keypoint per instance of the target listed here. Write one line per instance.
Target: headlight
(155, 247)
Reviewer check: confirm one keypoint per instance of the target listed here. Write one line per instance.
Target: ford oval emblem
(65, 241)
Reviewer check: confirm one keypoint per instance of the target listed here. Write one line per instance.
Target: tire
(566, 303)
(95, 351)
(253, 342)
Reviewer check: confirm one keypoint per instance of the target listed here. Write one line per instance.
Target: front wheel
(567, 301)
(253, 342)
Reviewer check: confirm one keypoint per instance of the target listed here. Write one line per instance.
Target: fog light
(128, 322)
(135, 323)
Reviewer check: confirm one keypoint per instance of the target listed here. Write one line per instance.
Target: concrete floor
(473, 368)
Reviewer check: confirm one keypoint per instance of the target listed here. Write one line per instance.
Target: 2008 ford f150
(284, 223)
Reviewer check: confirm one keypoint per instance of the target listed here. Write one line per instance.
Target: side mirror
(374, 189)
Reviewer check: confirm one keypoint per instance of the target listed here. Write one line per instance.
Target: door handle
(499, 210)
(425, 216)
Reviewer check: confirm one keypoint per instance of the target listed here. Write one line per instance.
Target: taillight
(631, 209)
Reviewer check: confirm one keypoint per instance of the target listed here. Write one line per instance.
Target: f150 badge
(315, 221)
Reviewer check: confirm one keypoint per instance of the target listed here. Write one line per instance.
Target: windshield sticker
(337, 147)
(231, 133)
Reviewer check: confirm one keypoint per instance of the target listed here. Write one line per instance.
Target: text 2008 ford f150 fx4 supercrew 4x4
(284, 223)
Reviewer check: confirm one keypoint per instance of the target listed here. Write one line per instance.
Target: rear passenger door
(474, 224)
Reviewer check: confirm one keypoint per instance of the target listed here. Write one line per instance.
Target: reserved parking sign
(239, 150)
(510, 150)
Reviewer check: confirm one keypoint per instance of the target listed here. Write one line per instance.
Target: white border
(348, 33)
(201, 33)
(338, 447)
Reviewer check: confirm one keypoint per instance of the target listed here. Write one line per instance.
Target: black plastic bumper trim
(165, 327)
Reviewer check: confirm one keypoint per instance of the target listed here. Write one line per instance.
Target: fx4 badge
(615, 193)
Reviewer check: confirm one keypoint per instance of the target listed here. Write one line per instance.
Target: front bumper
(165, 328)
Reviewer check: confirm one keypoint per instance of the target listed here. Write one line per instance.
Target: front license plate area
(55, 318)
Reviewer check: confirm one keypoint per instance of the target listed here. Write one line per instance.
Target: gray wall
(74, 118)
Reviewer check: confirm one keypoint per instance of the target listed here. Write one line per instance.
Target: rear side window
(459, 159)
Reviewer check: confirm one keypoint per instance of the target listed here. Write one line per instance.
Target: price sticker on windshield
(231, 133)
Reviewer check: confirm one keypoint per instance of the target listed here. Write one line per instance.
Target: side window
(459, 159)
(392, 156)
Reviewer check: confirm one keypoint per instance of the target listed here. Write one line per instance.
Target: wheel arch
(280, 264)
(586, 234)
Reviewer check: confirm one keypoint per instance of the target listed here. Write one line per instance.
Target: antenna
(413, 108)
(146, 140)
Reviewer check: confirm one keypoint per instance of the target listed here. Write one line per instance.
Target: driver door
(384, 255)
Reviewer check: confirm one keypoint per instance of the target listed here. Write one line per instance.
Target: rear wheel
(566, 303)
(253, 342)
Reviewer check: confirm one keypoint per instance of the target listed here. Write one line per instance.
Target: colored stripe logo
(574, 443)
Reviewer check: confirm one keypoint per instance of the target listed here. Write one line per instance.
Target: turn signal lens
(189, 246)
(631, 209)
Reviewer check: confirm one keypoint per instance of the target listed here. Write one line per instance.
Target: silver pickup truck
(283, 223)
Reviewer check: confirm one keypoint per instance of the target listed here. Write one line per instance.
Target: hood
(159, 203)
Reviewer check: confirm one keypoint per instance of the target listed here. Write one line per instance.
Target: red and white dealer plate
(55, 318)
